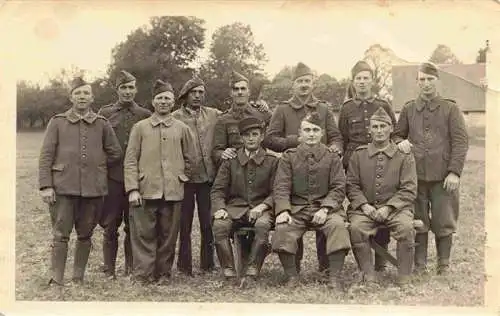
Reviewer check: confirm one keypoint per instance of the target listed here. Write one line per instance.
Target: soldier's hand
(334, 149)
(48, 195)
(319, 217)
(256, 212)
(405, 146)
(382, 214)
(283, 218)
(451, 182)
(220, 214)
(369, 210)
(229, 153)
(262, 106)
(134, 198)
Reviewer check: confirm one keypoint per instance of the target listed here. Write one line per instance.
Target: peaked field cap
(313, 118)
(236, 77)
(429, 68)
(382, 116)
(359, 67)
(190, 84)
(123, 77)
(248, 123)
(161, 86)
(76, 83)
(301, 70)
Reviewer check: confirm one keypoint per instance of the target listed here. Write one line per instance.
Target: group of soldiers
(292, 169)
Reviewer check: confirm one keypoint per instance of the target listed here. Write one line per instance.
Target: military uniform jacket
(354, 122)
(244, 183)
(381, 178)
(309, 176)
(226, 133)
(122, 117)
(202, 125)
(437, 130)
(159, 158)
(283, 129)
(76, 154)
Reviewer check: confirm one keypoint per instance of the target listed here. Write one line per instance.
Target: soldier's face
(303, 86)
(309, 133)
(163, 102)
(252, 138)
(127, 91)
(240, 93)
(427, 83)
(196, 96)
(363, 82)
(82, 97)
(380, 131)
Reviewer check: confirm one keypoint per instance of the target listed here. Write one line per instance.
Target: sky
(329, 36)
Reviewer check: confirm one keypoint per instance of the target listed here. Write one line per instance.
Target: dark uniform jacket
(381, 178)
(439, 136)
(244, 183)
(283, 129)
(226, 133)
(309, 176)
(76, 154)
(122, 117)
(354, 122)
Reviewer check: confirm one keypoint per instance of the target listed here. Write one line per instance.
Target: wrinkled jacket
(309, 176)
(159, 155)
(122, 117)
(354, 122)
(283, 129)
(439, 136)
(202, 125)
(226, 132)
(381, 178)
(244, 183)
(76, 153)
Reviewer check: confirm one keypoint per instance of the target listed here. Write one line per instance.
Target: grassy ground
(464, 286)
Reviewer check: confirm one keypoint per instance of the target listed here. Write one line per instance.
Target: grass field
(463, 287)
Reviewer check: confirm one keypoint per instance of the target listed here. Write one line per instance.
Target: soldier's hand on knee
(451, 182)
(382, 213)
(405, 146)
(48, 195)
(220, 214)
(369, 210)
(134, 198)
(256, 212)
(319, 217)
(229, 153)
(284, 218)
(334, 149)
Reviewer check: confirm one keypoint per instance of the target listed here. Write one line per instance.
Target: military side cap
(301, 70)
(313, 118)
(236, 77)
(123, 77)
(248, 123)
(161, 86)
(190, 84)
(429, 68)
(76, 83)
(359, 67)
(382, 116)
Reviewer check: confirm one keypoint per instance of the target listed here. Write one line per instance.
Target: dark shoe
(443, 269)
(229, 273)
(443, 247)
(403, 280)
(59, 255)
(422, 239)
(226, 258)
(82, 251)
(109, 251)
(405, 257)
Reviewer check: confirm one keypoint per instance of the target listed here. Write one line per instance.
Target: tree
(442, 54)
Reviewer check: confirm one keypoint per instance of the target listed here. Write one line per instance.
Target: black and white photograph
(281, 153)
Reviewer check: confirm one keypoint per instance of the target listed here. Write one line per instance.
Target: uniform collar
(317, 151)
(311, 102)
(258, 158)
(360, 101)
(156, 120)
(389, 151)
(126, 105)
(432, 104)
(191, 112)
(74, 117)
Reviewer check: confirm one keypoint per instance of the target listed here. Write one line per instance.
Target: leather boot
(82, 251)
(404, 253)
(422, 239)
(257, 254)
(336, 263)
(299, 254)
(363, 253)
(443, 245)
(382, 238)
(288, 261)
(127, 249)
(226, 258)
(109, 251)
(59, 255)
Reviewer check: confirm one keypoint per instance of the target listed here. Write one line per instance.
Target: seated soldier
(242, 197)
(308, 192)
(382, 187)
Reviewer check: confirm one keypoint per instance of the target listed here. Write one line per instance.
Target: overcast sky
(328, 36)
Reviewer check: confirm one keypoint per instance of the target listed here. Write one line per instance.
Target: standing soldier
(309, 190)
(354, 125)
(122, 115)
(242, 196)
(433, 128)
(282, 133)
(77, 150)
(382, 187)
(158, 162)
(201, 120)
